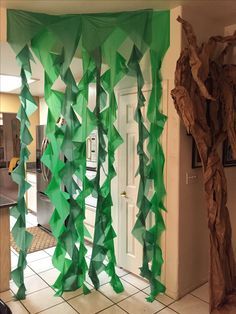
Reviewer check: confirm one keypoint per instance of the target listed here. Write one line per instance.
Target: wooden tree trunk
(222, 264)
(210, 118)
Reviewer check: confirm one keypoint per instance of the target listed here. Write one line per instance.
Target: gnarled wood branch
(205, 99)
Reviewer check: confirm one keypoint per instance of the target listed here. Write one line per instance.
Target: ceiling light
(9, 83)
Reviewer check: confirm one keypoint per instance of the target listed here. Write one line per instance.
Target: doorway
(128, 248)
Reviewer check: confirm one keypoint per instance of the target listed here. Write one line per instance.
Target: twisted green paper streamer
(100, 36)
(22, 237)
(104, 233)
(70, 232)
(150, 238)
(147, 170)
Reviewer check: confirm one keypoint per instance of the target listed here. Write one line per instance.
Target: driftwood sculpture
(205, 99)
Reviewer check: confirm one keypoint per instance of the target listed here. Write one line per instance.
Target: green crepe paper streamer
(103, 245)
(22, 238)
(55, 40)
(67, 219)
(148, 238)
(152, 253)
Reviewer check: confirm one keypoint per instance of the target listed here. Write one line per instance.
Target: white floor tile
(71, 294)
(13, 254)
(14, 251)
(167, 311)
(31, 257)
(121, 272)
(32, 284)
(137, 304)
(41, 265)
(28, 224)
(190, 304)
(6, 296)
(103, 277)
(32, 219)
(50, 250)
(41, 300)
(163, 298)
(61, 308)
(14, 261)
(28, 272)
(108, 291)
(12, 222)
(90, 303)
(50, 275)
(202, 293)
(113, 310)
(17, 307)
(136, 281)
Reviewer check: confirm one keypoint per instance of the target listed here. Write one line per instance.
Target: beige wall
(7, 122)
(3, 24)
(171, 143)
(186, 238)
(10, 103)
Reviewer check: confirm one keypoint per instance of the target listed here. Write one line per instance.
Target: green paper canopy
(98, 39)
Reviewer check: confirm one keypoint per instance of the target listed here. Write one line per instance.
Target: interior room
(117, 157)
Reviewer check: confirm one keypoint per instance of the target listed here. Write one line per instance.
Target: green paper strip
(55, 40)
(22, 238)
(103, 245)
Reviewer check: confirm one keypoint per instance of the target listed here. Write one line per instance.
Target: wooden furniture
(5, 251)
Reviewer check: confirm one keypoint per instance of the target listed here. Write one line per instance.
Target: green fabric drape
(111, 46)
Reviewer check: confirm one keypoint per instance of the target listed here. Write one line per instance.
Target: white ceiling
(224, 11)
(8, 65)
(218, 9)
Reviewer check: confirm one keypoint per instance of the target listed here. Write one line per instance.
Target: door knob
(123, 194)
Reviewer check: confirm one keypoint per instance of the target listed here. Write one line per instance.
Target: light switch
(191, 178)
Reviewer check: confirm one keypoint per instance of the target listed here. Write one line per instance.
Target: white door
(129, 249)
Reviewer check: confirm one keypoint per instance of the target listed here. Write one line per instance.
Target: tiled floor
(40, 275)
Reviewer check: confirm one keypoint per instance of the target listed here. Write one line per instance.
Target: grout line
(41, 290)
(106, 308)
(121, 308)
(29, 293)
(114, 302)
(111, 307)
(37, 259)
(159, 300)
(198, 298)
(42, 271)
(72, 307)
(55, 306)
(21, 304)
(167, 308)
(47, 252)
(131, 295)
(133, 284)
(24, 306)
(173, 310)
(15, 300)
(66, 300)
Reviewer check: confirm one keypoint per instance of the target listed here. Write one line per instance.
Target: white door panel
(130, 250)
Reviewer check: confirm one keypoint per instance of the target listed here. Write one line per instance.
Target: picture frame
(228, 160)
(196, 160)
